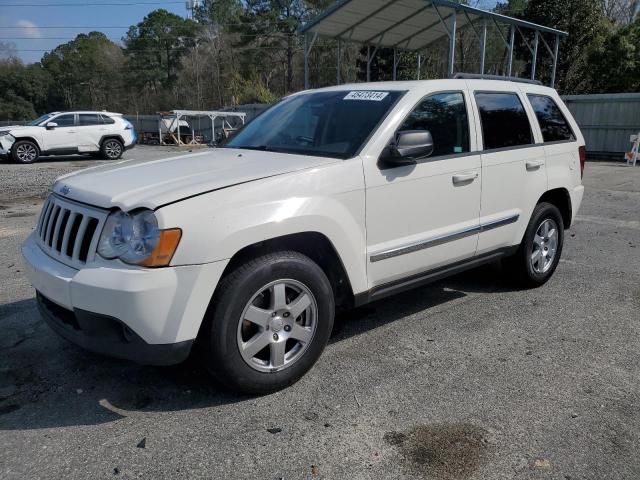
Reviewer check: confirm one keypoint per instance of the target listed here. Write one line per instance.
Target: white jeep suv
(330, 199)
(64, 133)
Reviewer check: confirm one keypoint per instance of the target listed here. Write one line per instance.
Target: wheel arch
(111, 137)
(315, 245)
(28, 139)
(562, 200)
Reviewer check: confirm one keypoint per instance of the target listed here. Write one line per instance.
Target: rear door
(560, 140)
(513, 164)
(90, 129)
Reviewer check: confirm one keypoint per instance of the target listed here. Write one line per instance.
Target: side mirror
(408, 146)
(51, 125)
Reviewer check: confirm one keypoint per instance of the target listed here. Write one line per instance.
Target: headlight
(135, 238)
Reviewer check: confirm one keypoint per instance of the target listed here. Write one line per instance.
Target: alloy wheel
(112, 149)
(26, 152)
(277, 325)
(545, 246)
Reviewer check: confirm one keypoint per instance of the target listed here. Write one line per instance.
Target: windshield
(38, 121)
(326, 124)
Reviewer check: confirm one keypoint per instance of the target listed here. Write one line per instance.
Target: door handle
(464, 178)
(534, 164)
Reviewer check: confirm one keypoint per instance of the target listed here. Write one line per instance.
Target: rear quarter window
(504, 120)
(553, 123)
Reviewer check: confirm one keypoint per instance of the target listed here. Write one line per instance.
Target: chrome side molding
(440, 239)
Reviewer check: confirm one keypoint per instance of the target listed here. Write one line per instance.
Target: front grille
(69, 231)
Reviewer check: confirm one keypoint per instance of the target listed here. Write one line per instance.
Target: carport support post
(452, 43)
(483, 49)
(368, 63)
(535, 55)
(308, 45)
(419, 67)
(338, 65)
(555, 61)
(511, 41)
(178, 120)
(306, 61)
(395, 64)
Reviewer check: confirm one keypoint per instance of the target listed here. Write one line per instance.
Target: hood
(13, 128)
(131, 184)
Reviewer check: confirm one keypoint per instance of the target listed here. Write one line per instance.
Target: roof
(404, 24)
(419, 84)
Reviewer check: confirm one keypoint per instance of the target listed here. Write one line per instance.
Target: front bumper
(160, 308)
(108, 336)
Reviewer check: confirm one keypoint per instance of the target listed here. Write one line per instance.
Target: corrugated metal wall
(606, 121)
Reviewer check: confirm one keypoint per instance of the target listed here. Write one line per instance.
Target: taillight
(582, 152)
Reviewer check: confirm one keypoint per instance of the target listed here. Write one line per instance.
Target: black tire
(219, 336)
(25, 151)
(111, 149)
(520, 265)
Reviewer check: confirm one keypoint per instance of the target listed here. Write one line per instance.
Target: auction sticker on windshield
(366, 95)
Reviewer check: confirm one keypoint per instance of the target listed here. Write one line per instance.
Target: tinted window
(90, 119)
(329, 124)
(445, 116)
(108, 120)
(504, 120)
(67, 120)
(552, 122)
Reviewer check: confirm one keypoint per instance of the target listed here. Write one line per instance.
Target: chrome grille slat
(56, 230)
(52, 217)
(45, 220)
(79, 237)
(63, 226)
(67, 232)
(43, 214)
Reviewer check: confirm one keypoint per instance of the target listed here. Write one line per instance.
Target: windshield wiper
(261, 148)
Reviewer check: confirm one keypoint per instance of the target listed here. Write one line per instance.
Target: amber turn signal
(163, 253)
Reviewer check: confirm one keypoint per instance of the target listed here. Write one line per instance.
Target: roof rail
(477, 76)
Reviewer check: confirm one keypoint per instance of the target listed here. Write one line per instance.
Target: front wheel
(269, 322)
(24, 151)
(112, 149)
(539, 253)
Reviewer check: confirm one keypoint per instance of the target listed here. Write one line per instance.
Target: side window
(553, 124)
(107, 120)
(445, 116)
(86, 119)
(66, 120)
(504, 120)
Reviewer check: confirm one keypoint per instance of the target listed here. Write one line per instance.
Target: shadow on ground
(46, 382)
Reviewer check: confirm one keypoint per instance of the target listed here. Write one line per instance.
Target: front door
(425, 215)
(62, 137)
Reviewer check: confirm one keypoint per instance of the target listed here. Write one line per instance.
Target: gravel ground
(469, 378)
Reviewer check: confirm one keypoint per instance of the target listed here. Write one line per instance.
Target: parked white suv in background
(64, 133)
(330, 199)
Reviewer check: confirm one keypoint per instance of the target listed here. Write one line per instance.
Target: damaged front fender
(6, 142)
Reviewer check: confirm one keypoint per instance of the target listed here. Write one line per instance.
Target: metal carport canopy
(412, 24)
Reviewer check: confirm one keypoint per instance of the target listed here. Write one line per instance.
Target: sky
(29, 26)
(28, 23)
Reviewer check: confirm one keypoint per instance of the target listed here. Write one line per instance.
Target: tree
(85, 72)
(585, 23)
(156, 45)
(23, 89)
(615, 62)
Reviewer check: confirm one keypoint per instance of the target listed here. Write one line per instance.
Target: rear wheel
(539, 253)
(269, 322)
(25, 151)
(112, 149)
